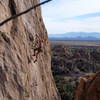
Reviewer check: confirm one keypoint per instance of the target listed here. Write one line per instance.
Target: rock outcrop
(25, 62)
(88, 88)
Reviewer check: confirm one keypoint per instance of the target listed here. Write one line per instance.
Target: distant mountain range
(81, 36)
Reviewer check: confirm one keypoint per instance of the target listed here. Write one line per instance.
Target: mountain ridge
(75, 36)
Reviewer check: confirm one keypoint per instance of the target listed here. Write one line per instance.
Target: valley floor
(77, 43)
(72, 60)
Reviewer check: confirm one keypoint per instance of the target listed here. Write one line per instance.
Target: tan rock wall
(22, 75)
(88, 88)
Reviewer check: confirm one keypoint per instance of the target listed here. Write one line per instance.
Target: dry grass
(77, 43)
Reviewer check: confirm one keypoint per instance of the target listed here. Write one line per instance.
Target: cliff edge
(25, 61)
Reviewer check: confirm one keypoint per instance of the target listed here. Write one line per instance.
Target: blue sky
(61, 16)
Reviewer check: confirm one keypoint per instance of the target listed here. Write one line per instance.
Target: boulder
(88, 87)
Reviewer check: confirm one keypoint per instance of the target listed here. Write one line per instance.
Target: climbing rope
(24, 12)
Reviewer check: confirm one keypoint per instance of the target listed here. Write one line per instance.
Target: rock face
(89, 88)
(25, 68)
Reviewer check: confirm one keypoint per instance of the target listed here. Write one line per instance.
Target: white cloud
(57, 16)
(83, 25)
(70, 8)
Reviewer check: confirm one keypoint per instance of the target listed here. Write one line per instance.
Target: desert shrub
(72, 62)
(65, 88)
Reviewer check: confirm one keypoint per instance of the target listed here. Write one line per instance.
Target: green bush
(65, 88)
